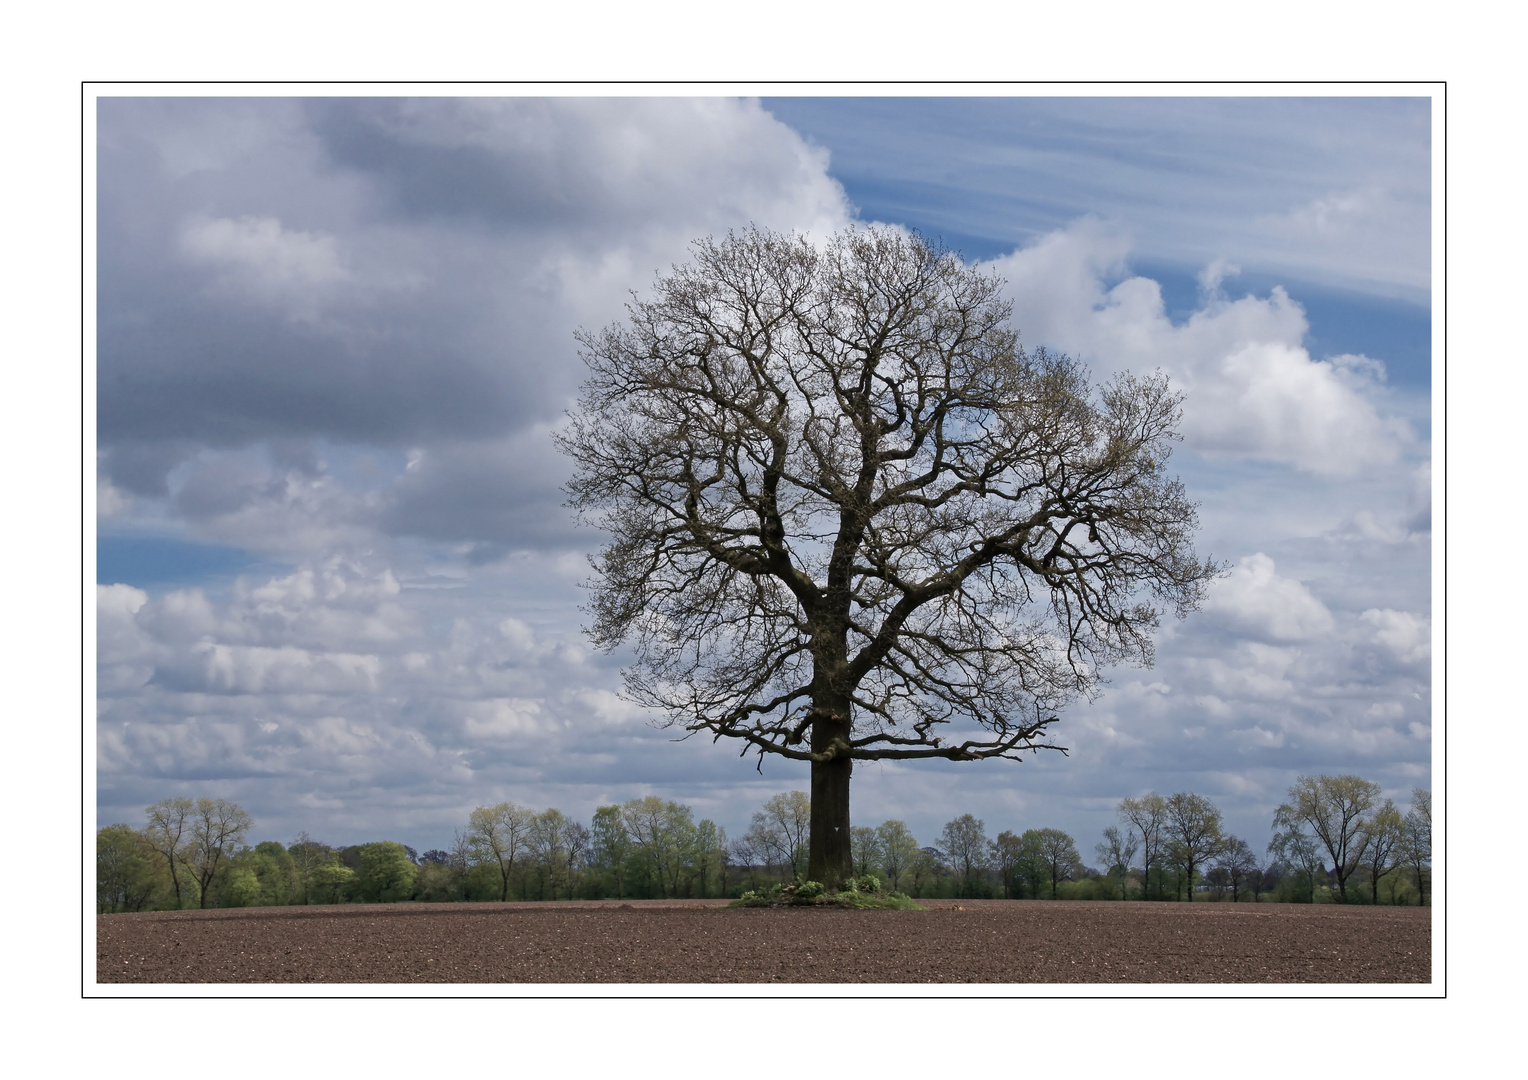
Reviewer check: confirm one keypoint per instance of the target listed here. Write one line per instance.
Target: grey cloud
(500, 495)
(395, 273)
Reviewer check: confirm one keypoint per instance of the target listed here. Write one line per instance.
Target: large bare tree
(851, 518)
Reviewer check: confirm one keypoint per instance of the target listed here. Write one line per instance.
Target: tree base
(812, 894)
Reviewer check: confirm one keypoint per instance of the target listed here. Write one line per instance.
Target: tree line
(1333, 841)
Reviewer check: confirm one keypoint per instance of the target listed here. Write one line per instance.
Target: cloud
(1253, 390)
(395, 273)
(1390, 229)
(1332, 190)
(262, 253)
(1255, 601)
(1405, 636)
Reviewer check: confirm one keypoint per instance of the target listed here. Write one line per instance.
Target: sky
(336, 581)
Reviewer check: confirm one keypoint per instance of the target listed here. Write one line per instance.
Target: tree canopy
(851, 518)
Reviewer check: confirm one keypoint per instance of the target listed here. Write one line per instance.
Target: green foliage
(812, 894)
(240, 888)
(386, 875)
(333, 882)
(437, 884)
(126, 877)
(1088, 888)
(779, 831)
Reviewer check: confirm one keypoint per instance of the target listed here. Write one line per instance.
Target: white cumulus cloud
(1253, 390)
(1255, 600)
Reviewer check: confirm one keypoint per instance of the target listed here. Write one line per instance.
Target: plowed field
(991, 941)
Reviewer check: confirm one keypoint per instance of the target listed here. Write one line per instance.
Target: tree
(386, 873)
(1334, 809)
(333, 879)
(498, 835)
(307, 854)
(215, 828)
(1147, 816)
(274, 873)
(1055, 853)
(965, 845)
(779, 831)
(547, 840)
(578, 840)
(1416, 831)
(851, 519)
(1383, 837)
(124, 875)
(1193, 833)
(610, 846)
(1116, 852)
(662, 836)
(1007, 855)
(169, 833)
(924, 869)
(865, 846)
(709, 854)
(1300, 852)
(898, 848)
(1239, 863)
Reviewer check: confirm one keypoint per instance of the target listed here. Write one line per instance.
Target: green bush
(241, 888)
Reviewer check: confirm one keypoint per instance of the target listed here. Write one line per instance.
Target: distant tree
(1116, 852)
(708, 855)
(1265, 879)
(498, 836)
(578, 840)
(386, 874)
(745, 857)
(924, 869)
(610, 848)
(965, 845)
(436, 856)
(1007, 853)
(1193, 830)
(274, 872)
(1056, 854)
(547, 841)
(898, 849)
(1416, 842)
(307, 854)
(865, 846)
(1237, 860)
(1301, 852)
(1147, 816)
(169, 832)
(124, 873)
(662, 837)
(216, 828)
(1334, 809)
(780, 831)
(1383, 837)
(333, 880)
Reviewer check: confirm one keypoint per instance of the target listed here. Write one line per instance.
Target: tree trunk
(830, 857)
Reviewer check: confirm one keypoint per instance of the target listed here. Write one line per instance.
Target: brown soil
(969, 941)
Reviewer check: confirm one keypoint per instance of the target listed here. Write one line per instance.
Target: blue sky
(336, 580)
